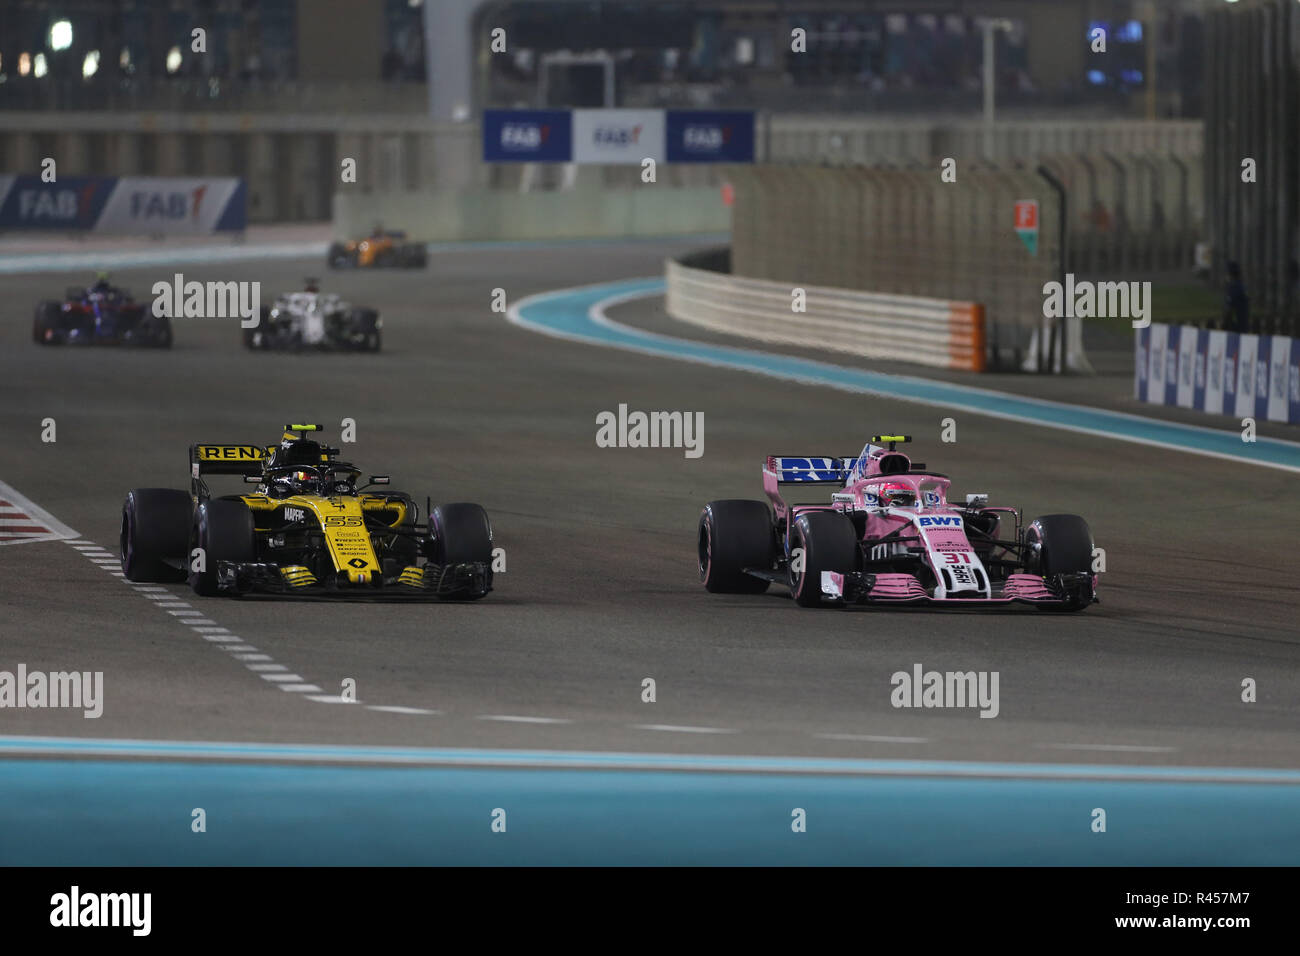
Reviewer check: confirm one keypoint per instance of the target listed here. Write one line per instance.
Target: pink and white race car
(890, 536)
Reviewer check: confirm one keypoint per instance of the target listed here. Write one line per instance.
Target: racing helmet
(287, 482)
(895, 494)
(293, 468)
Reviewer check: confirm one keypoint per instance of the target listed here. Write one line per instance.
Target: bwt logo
(941, 522)
(617, 135)
(56, 205)
(706, 138)
(521, 136)
(172, 206)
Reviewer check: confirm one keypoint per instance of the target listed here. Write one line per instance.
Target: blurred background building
(283, 90)
(871, 55)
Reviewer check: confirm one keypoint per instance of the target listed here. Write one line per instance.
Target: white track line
(675, 729)
(1120, 748)
(510, 718)
(278, 675)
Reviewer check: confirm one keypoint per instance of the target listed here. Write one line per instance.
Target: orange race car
(378, 250)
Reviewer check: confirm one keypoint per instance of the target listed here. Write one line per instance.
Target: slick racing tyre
(153, 332)
(735, 534)
(828, 544)
(46, 326)
(460, 533)
(339, 257)
(1059, 544)
(223, 530)
(367, 330)
(259, 336)
(155, 533)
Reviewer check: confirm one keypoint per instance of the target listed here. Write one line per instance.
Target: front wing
(861, 587)
(432, 582)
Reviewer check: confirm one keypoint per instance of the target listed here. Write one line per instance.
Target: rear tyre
(828, 544)
(461, 533)
(223, 529)
(155, 533)
(1059, 544)
(735, 534)
(46, 326)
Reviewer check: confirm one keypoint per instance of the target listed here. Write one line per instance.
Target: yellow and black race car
(378, 250)
(308, 529)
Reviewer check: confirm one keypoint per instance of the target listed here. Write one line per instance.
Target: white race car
(312, 319)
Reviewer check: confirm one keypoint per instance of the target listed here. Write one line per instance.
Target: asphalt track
(601, 590)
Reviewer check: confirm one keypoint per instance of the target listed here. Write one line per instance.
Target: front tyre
(339, 257)
(460, 533)
(222, 531)
(366, 330)
(829, 545)
(735, 534)
(259, 336)
(1057, 545)
(153, 331)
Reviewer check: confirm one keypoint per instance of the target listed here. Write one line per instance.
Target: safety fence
(804, 138)
(1131, 212)
(1224, 373)
(1252, 161)
(906, 232)
(916, 329)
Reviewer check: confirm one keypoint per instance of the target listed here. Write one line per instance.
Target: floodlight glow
(60, 35)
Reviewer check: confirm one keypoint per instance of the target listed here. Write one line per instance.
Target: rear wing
(808, 470)
(209, 459)
(794, 473)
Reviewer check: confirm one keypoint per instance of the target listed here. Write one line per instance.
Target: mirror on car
(380, 479)
(252, 479)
